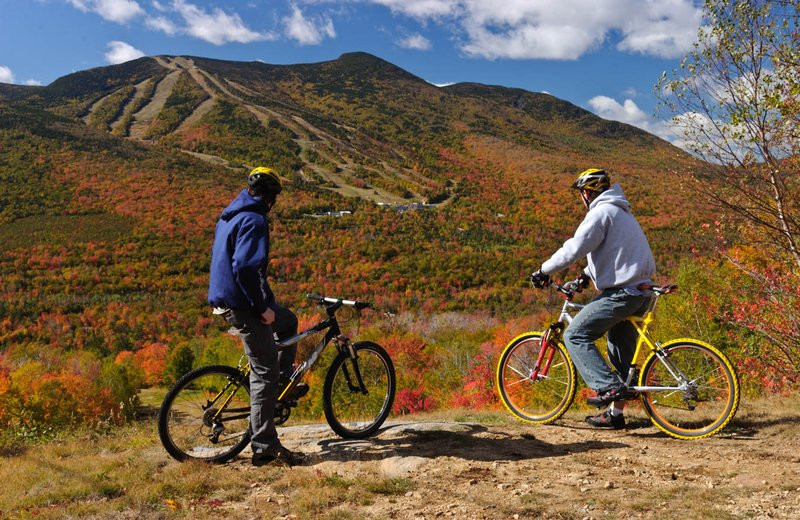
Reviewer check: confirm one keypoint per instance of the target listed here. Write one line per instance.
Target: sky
(602, 55)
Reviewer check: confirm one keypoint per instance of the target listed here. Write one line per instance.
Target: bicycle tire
(350, 413)
(701, 410)
(184, 423)
(539, 401)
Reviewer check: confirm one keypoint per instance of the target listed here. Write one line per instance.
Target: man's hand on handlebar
(577, 285)
(540, 280)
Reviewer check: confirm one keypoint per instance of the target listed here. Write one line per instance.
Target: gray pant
(267, 366)
(606, 313)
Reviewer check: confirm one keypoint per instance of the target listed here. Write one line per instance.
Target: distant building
(330, 214)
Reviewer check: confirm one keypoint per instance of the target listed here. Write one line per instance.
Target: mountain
(129, 166)
(358, 125)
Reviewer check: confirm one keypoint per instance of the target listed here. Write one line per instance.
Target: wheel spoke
(700, 407)
(545, 397)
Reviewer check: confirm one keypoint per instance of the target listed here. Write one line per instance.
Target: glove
(540, 280)
(578, 285)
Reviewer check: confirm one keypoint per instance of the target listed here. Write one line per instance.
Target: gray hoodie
(613, 243)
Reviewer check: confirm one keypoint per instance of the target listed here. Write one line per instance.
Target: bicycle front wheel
(536, 386)
(699, 390)
(352, 412)
(206, 415)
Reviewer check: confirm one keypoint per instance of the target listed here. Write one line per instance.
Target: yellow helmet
(593, 179)
(264, 181)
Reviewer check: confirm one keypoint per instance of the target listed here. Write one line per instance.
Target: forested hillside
(111, 181)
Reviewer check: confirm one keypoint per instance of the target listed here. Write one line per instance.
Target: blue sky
(603, 55)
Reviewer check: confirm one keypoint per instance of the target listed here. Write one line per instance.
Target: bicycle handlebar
(333, 301)
(659, 290)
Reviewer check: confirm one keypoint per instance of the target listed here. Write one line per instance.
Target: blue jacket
(240, 255)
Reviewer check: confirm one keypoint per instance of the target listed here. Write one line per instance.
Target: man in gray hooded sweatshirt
(619, 260)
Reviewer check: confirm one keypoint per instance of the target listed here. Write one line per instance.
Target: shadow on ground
(470, 442)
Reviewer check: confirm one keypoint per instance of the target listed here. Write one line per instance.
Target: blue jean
(267, 366)
(606, 313)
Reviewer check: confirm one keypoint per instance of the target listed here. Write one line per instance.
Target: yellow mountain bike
(688, 388)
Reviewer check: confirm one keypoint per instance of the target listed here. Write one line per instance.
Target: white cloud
(665, 29)
(542, 29)
(305, 31)
(6, 76)
(217, 26)
(422, 9)
(33, 82)
(630, 92)
(120, 52)
(163, 24)
(119, 11)
(415, 42)
(630, 113)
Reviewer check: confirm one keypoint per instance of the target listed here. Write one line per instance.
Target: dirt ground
(453, 464)
(487, 466)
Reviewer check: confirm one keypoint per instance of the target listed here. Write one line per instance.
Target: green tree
(179, 362)
(735, 97)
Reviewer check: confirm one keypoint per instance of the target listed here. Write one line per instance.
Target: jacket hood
(613, 195)
(244, 202)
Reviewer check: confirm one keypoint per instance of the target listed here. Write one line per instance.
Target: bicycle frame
(641, 324)
(334, 333)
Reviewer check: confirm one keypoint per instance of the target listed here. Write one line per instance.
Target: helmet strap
(586, 198)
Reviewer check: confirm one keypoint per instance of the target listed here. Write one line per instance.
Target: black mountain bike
(206, 414)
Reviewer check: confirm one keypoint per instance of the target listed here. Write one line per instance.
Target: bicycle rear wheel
(206, 415)
(351, 412)
(699, 404)
(528, 393)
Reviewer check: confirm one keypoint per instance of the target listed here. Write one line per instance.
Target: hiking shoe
(606, 420)
(299, 391)
(280, 457)
(622, 393)
(296, 393)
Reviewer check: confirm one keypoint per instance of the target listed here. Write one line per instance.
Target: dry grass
(503, 469)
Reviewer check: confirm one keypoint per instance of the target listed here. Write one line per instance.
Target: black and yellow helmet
(593, 179)
(264, 181)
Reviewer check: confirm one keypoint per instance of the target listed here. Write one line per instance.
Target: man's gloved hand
(579, 284)
(540, 280)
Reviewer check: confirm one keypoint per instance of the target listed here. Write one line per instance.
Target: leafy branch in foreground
(735, 98)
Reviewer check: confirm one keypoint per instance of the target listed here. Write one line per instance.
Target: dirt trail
(144, 117)
(139, 90)
(511, 470)
(204, 107)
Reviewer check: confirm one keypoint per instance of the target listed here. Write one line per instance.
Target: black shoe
(622, 393)
(281, 457)
(299, 391)
(296, 393)
(606, 420)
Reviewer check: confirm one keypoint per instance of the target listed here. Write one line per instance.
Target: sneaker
(606, 420)
(622, 393)
(297, 392)
(281, 457)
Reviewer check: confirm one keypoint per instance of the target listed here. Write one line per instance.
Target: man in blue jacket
(238, 290)
(619, 260)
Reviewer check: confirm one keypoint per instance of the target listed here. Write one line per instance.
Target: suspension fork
(346, 347)
(547, 350)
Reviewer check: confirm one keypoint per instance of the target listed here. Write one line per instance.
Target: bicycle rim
(539, 399)
(205, 416)
(700, 409)
(350, 412)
